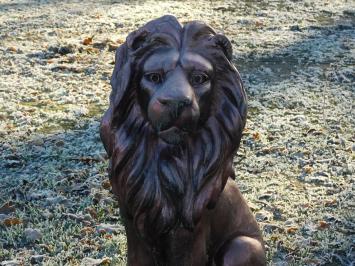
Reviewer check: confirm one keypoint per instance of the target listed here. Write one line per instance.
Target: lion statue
(176, 115)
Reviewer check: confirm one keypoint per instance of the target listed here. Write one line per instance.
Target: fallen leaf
(92, 212)
(313, 262)
(315, 132)
(87, 230)
(88, 242)
(306, 205)
(88, 41)
(259, 23)
(330, 203)
(308, 169)
(107, 236)
(274, 238)
(106, 184)
(48, 248)
(12, 49)
(12, 221)
(270, 137)
(256, 135)
(291, 230)
(323, 224)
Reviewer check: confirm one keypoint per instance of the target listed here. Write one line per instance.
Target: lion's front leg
(237, 234)
(138, 253)
(241, 251)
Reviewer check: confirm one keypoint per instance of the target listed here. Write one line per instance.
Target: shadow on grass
(44, 160)
(322, 48)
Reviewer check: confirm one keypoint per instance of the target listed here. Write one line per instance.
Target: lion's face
(174, 92)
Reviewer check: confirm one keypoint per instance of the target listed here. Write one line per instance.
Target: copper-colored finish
(176, 115)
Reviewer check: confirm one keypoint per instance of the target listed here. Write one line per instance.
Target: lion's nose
(177, 103)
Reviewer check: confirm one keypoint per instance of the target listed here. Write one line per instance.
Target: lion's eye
(154, 77)
(198, 79)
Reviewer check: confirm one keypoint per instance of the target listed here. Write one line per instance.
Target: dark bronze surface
(176, 115)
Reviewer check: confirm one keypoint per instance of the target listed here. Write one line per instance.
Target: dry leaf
(92, 212)
(308, 169)
(291, 230)
(12, 49)
(315, 132)
(88, 41)
(323, 224)
(106, 184)
(306, 205)
(259, 23)
(120, 41)
(328, 203)
(107, 236)
(256, 135)
(46, 247)
(87, 230)
(274, 238)
(12, 221)
(313, 261)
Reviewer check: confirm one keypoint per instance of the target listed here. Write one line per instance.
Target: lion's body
(177, 111)
(208, 243)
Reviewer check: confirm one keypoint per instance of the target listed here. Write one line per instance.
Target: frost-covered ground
(295, 166)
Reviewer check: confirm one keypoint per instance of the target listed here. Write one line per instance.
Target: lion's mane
(159, 185)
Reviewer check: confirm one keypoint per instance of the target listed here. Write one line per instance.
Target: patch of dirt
(296, 161)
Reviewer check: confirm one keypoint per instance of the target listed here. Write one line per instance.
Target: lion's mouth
(172, 135)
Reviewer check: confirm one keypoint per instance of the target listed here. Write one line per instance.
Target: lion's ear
(223, 42)
(121, 74)
(123, 62)
(137, 38)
